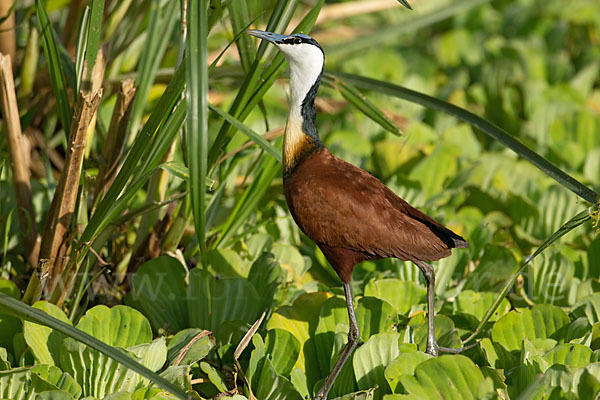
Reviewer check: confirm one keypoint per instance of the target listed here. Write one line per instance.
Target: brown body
(354, 217)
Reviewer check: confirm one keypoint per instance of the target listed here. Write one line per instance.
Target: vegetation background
(141, 200)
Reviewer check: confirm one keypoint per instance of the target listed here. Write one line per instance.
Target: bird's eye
(297, 40)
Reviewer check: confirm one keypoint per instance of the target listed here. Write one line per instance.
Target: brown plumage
(354, 217)
(347, 212)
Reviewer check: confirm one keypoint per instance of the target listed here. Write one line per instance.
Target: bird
(350, 214)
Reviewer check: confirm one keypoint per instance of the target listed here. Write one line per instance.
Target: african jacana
(347, 212)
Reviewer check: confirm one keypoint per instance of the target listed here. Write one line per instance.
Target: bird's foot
(433, 349)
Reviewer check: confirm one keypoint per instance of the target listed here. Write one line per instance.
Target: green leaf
(485, 126)
(212, 301)
(56, 377)
(44, 342)
(213, 376)
(197, 109)
(589, 307)
(371, 359)
(363, 104)
(28, 313)
(120, 326)
(542, 321)
(400, 294)
(477, 304)
(575, 355)
(252, 135)
(273, 386)
(461, 378)
(93, 35)
(9, 325)
(57, 75)
(404, 364)
(196, 352)
(157, 289)
(300, 319)
(283, 349)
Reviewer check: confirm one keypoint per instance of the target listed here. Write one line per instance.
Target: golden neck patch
(295, 143)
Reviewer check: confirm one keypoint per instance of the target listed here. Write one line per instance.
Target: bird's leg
(427, 269)
(353, 337)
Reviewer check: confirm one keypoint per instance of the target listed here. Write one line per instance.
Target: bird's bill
(270, 36)
(405, 4)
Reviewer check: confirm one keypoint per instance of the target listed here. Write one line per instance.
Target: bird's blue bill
(405, 4)
(270, 36)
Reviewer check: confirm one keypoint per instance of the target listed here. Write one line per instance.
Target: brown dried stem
(7, 29)
(58, 233)
(19, 161)
(111, 152)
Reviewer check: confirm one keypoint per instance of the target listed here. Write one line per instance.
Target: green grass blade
(93, 35)
(25, 312)
(137, 152)
(364, 105)
(573, 223)
(246, 205)
(486, 127)
(159, 32)
(252, 135)
(197, 108)
(81, 47)
(238, 15)
(55, 67)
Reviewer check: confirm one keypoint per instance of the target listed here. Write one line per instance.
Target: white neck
(306, 64)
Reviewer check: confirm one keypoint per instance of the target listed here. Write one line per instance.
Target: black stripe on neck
(309, 113)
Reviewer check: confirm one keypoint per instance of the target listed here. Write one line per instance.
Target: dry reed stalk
(7, 29)
(19, 161)
(95, 83)
(58, 233)
(111, 152)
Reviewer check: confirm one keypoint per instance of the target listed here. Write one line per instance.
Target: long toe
(458, 350)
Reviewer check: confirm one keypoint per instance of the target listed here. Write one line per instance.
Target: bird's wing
(338, 204)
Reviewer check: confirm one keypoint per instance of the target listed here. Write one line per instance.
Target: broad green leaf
(55, 376)
(404, 364)
(265, 274)
(477, 304)
(45, 343)
(99, 375)
(575, 355)
(28, 313)
(213, 376)
(158, 289)
(283, 349)
(212, 301)
(400, 294)
(120, 326)
(589, 307)
(196, 352)
(228, 263)
(273, 386)
(461, 378)
(301, 319)
(371, 359)
(542, 321)
(552, 278)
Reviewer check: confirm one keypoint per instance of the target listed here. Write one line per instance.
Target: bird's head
(304, 54)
